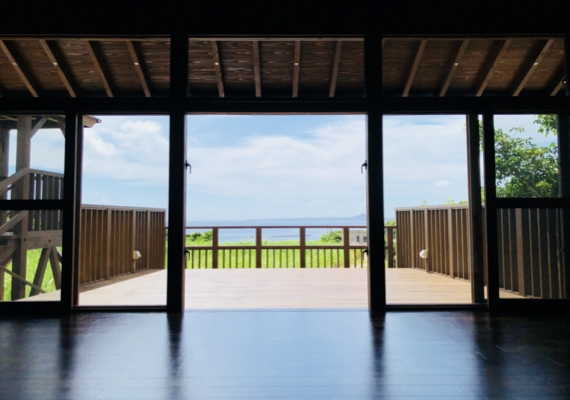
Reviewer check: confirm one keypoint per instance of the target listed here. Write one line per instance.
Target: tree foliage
(524, 169)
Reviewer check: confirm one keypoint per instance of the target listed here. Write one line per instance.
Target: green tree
(524, 169)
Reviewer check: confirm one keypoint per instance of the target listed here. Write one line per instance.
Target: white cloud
(442, 184)
(135, 150)
(321, 165)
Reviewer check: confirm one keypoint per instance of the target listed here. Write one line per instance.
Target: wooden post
(427, 240)
(258, 239)
(346, 246)
(564, 174)
(133, 238)
(302, 246)
(21, 192)
(215, 244)
(491, 210)
(476, 245)
(4, 162)
(450, 244)
(412, 236)
(390, 240)
(108, 236)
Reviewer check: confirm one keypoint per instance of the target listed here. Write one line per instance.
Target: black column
(491, 211)
(476, 274)
(375, 176)
(177, 174)
(71, 210)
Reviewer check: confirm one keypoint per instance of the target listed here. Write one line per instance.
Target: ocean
(276, 234)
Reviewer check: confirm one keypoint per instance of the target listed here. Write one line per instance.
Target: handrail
(259, 253)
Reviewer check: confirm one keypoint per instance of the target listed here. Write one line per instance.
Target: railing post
(390, 240)
(258, 247)
(108, 244)
(134, 238)
(451, 242)
(346, 246)
(302, 246)
(215, 244)
(426, 233)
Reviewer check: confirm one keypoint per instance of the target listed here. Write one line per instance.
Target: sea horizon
(275, 234)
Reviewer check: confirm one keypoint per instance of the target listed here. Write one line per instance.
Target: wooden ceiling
(281, 67)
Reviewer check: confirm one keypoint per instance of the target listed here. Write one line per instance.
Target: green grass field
(48, 283)
(271, 258)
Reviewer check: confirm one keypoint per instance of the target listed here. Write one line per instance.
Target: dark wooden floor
(285, 354)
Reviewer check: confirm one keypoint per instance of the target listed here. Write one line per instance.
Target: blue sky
(254, 167)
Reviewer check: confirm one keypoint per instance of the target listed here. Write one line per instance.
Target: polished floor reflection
(286, 355)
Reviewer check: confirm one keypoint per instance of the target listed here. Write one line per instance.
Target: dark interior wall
(434, 17)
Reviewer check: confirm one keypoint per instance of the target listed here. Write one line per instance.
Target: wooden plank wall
(529, 246)
(529, 252)
(443, 231)
(109, 235)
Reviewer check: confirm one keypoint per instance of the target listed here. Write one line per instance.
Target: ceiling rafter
(296, 66)
(97, 60)
(533, 62)
(559, 80)
(257, 68)
(59, 64)
(18, 66)
(453, 67)
(492, 67)
(218, 68)
(415, 67)
(336, 64)
(139, 67)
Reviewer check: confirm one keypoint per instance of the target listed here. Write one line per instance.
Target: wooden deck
(276, 288)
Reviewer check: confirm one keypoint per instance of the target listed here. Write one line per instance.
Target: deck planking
(275, 288)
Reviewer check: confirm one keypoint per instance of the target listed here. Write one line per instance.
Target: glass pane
(526, 156)
(31, 251)
(32, 157)
(426, 210)
(530, 253)
(123, 240)
(439, 67)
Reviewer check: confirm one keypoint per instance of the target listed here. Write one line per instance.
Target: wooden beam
(218, 67)
(533, 63)
(98, 64)
(20, 279)
(40, 271)
(558, 87)
(12, 57)
(13, 221)
(415, 66)
(135, 56)
(38, 126)
(453, 68)
(59, 64)
(491, 69)
(296, 64)
(336, 64)
(557, 83)
(256, 68)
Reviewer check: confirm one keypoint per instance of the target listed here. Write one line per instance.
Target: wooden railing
(443, 231)
(529, 241)
(110, 235)
(264, 254)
